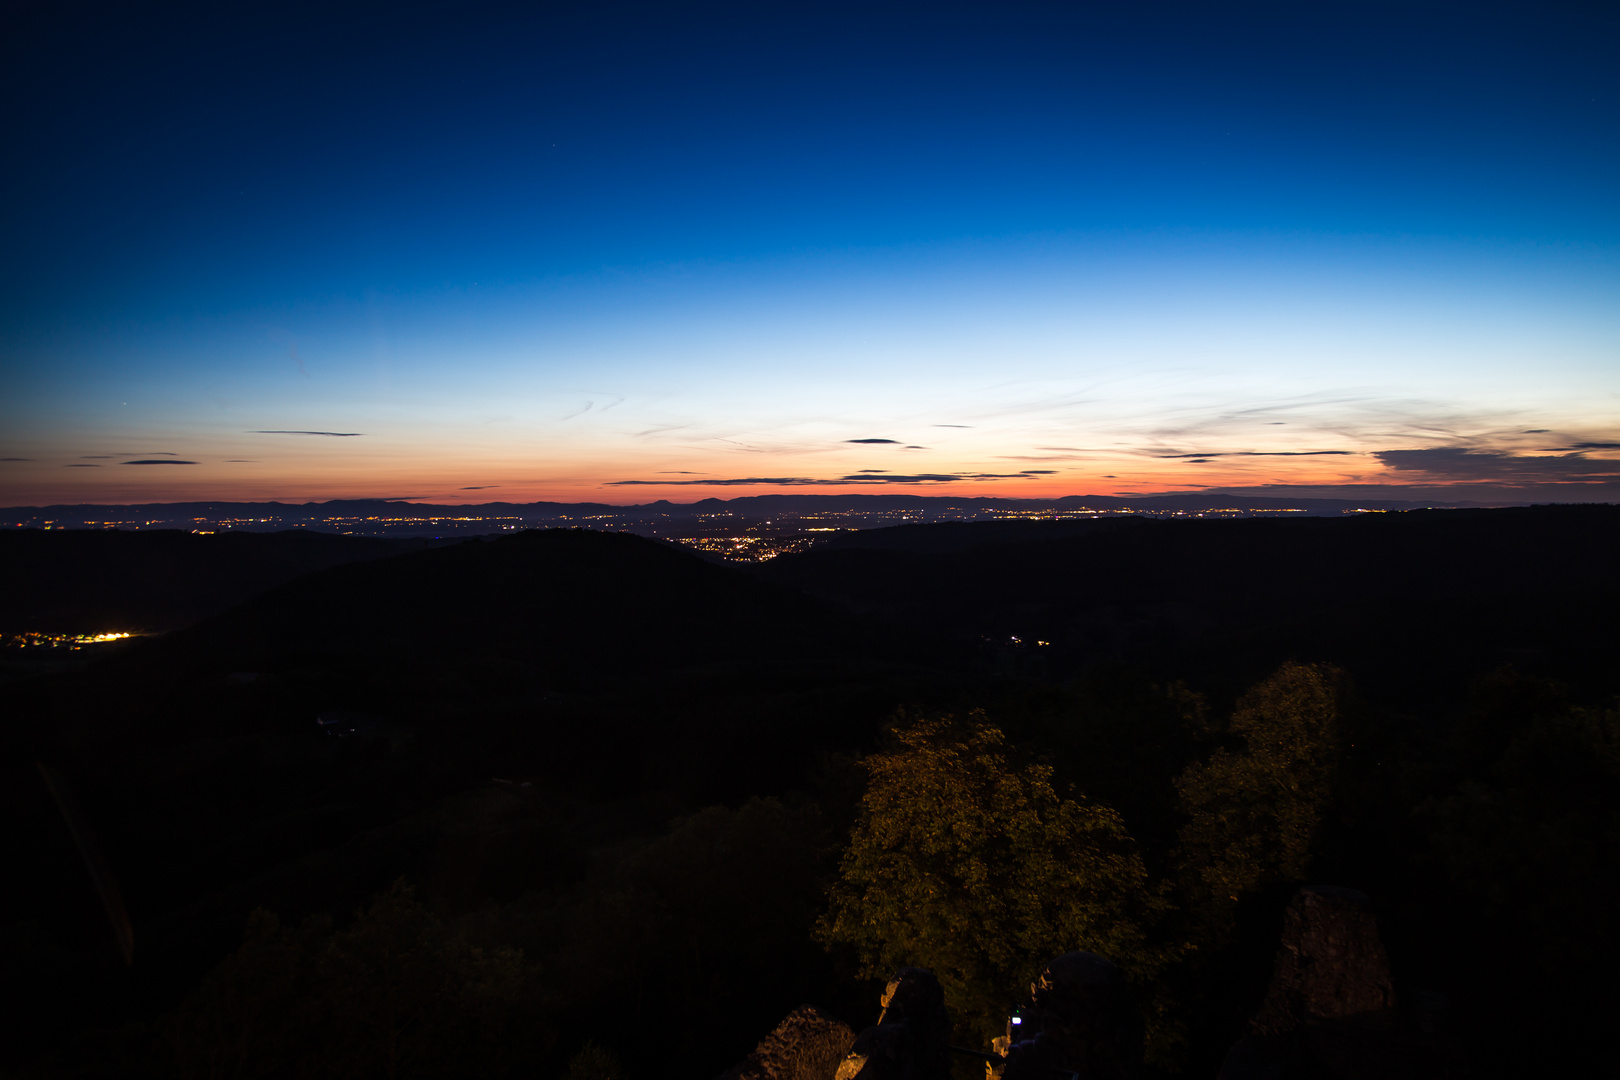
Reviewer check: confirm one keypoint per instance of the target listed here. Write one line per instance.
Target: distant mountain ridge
(752, 505)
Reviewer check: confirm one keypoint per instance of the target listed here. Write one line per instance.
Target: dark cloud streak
(1259, 453)
(864, 477)
(1456, 463)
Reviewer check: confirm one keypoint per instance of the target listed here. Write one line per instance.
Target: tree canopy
(967, 863)
(1252, 815)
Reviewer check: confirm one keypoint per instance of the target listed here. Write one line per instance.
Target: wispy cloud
(780, 481)
(1036, 457)
(874, 442)
(479, 487)
(1260, 453)
(592, 403)
(874, 477)
(160, 461)
(327, 434)
(897, 478)
(16, 459)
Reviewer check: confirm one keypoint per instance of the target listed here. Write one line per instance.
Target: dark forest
(580, 804)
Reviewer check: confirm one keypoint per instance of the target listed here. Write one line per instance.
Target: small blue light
(1018, 1019)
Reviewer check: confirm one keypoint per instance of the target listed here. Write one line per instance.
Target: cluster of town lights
(57, 641)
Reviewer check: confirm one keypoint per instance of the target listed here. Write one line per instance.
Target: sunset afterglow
(1026, 256)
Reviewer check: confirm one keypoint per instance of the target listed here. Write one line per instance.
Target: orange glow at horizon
(444, 482)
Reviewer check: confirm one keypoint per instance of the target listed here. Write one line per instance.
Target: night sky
(622, 252)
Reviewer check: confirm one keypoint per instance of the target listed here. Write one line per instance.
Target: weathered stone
(1330, 1008)
(911, 1040)
(1331, 962)
(1080, 1021)
(807, 1045)
(881, 1052)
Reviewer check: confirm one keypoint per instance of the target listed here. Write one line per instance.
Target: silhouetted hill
(581, 604)
(627, 680)
(91, 581)
(1403, 597)
(473, 630)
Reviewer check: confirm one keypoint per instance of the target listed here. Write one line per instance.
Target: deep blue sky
(468, 231)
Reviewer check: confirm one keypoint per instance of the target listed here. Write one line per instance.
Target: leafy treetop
(966, 863)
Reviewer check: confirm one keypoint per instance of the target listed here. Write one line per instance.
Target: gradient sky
(622, 252)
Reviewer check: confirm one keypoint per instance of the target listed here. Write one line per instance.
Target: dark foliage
(974, 866)
(559, 735)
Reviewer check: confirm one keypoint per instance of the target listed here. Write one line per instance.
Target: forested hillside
(562, 789)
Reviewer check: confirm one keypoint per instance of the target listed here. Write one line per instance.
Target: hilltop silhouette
(1419, 598)
(623, 680)
(89, 581)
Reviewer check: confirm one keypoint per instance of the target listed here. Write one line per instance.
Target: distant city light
(35, 639)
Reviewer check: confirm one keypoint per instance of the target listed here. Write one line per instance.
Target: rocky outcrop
(807, 1045)
(911, 1040)
(1331, 962)
(1080, 1021)
(1330, 1009)
(881, 1052)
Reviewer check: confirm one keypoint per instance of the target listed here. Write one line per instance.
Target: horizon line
(425, 501)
